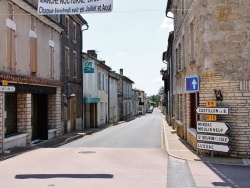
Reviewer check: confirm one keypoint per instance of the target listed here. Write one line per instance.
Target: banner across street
(46, 7)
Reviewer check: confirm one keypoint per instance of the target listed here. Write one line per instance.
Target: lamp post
(161, 71)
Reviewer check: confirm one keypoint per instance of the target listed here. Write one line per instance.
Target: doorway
(39, 117)
(194, 103)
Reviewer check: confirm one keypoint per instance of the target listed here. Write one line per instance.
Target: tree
(161, 91)
(157, 98)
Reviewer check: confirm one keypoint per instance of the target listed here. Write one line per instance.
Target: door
(39, 117)
(194, 103)
(72, 113)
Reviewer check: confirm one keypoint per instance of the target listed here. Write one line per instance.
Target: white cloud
(167, 23)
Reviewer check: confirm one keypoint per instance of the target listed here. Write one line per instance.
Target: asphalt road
(142, 132)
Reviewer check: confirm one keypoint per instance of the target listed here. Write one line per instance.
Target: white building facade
(95, 90)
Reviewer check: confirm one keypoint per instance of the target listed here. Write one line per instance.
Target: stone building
(30, 62)
(125, 102)
(135, 97)
(143, 102)
(71, 68)
(95, 90)
(211, 41)
(113, 97)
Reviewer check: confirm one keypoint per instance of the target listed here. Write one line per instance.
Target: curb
(205, 159)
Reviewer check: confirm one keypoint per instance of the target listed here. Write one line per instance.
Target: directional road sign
(192, 84)
(212, 127)
(213, 138)
(210, 110)
(213, 147)
(7, 88)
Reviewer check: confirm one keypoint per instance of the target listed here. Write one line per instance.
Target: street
(128, 155)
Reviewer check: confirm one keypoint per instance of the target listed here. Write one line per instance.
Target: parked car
(150, 110)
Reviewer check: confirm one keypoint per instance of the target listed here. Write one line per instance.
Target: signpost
(213, 138)
(211, 110)
(213, 147)
(212, 127)
(210, 132)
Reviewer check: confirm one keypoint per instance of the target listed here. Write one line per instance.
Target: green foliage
(157, 98)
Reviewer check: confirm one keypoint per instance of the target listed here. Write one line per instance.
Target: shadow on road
(48, 176)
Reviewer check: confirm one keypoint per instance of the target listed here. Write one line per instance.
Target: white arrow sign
(209, 110)
(194, 83)
(212, 127)
(213, 147)
(213, 138)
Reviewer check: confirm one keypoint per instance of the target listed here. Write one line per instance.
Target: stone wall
(1, 120)
(237, 99)
(24, 115)
(54, 112)
(222, 62)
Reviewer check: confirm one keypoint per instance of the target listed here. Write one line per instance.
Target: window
(11, 11)
(107, 86)
(33, 55)
(51, 53)
(67, 65)
(192, 42)
(11, 49)
(103, 81)
(51, 60)
(33, 45)
(180, 105)
(67, 26)
(178, 53)
(99, 81)
(179, 57)
(52, 34)
(33, 23)
(74, 64)
(74, 32)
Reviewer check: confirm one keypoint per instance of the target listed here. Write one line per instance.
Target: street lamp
(161, 71)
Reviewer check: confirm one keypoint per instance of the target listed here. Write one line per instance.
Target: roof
(168, 6)
(127, 79)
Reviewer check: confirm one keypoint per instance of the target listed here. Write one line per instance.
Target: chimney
(92, 53)
(121, 72)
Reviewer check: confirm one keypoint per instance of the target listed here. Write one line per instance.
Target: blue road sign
(192, 84)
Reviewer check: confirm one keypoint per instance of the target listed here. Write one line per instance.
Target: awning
(91, 100)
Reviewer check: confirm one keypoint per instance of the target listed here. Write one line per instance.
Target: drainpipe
(3, 120)
(108, 98)
(83, 122)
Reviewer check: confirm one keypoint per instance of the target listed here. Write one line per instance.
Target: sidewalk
(52, 143)
(178, 148)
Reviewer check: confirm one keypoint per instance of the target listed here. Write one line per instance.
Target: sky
(132, 37)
